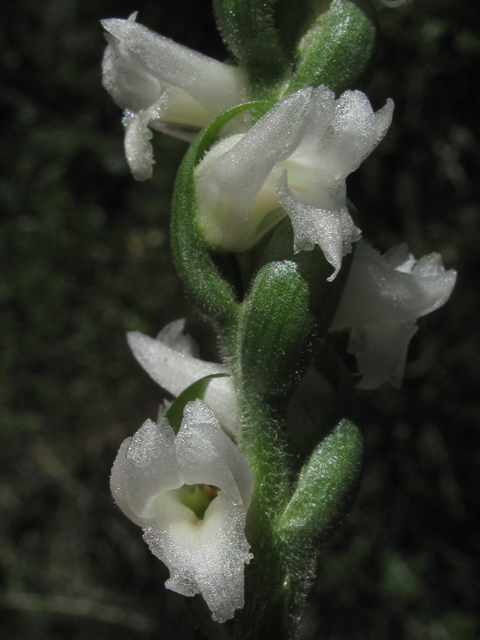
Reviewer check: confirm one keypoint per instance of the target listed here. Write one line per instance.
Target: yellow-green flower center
(197, 497)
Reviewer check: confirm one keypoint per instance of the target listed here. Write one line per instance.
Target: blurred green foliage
(85, 257)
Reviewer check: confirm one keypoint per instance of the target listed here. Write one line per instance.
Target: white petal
(381, 352)
(228, 182)
(375, 292)
(399, 258)
(220, 397)
(172, 336)
(206, 455)
(205, 556)
(170, 368)
(320, 115)
(126, 79)
(145, 467)
(214, 85)
(175, 370)
(333, 231)
(117, 483)
(354, 133)
(138, 149)
(183, 115)
(428, 266)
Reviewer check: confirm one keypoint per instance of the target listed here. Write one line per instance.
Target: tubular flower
(293, 161)
(171, 360)
(190, 493)
(383, 297)
(163, 85)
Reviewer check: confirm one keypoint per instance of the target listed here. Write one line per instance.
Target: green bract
(338, 48)
(248, 28)
(195, 391)
(284, 46)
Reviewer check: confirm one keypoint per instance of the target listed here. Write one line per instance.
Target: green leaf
(338, 48)
(195, 391)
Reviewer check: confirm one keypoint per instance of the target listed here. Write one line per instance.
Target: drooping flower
(383, 297)
(190, 493)
(171, 360)
(163, 85)
(293, 161)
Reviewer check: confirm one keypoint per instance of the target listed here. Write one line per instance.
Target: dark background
(84, 253)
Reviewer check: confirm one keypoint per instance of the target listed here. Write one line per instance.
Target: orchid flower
(163, 85)
(293, 161)
(190, 493)
(383, 297)
(171, 360)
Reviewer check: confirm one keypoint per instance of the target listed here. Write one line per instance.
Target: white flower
(171, 361)
(383, 297)
(164, 85)
(157, 474)
(296, 157)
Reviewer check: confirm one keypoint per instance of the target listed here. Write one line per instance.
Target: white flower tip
(113, 26)
(118, 27)
(138, 149)
(172, 336)
(387, 110)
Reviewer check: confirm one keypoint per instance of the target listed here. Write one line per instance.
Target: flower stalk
(269, 251)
